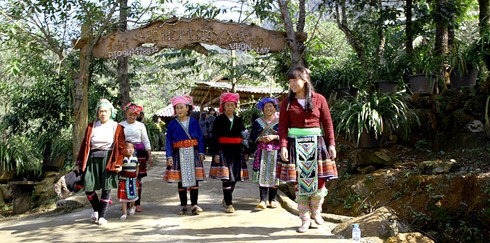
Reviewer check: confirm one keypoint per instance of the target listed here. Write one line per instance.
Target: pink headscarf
(182, 99)
(133, 108)
(228, 97)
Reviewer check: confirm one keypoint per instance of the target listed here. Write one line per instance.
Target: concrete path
(160, 223)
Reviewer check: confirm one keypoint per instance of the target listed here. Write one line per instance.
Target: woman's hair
(300, 72)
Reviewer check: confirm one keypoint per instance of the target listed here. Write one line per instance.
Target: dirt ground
(160, 223)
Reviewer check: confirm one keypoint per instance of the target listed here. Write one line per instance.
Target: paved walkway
(160, 223)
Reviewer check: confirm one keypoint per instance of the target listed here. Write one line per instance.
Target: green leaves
(371, 112)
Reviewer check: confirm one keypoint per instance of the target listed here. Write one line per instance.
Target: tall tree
(122, 61)
(95, 23)
(296, 46)
(484, 19)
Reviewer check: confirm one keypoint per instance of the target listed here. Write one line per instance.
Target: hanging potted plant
(365, 118)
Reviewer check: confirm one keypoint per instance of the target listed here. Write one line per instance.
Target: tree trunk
(340, 10)
(442, 29)
(485, 29)
(409, 28)
(122, 61)
(80, 93)
(297, 58)
(380, 49)
(80, 99)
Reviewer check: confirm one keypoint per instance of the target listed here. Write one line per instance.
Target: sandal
(182, 210)
(273, 204)
(260, 206)
(229, 209)
(196, 210)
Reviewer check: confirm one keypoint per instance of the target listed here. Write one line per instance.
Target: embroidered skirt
(232, 166)
(185, 161)
(326, 168)
(96, 176)
(264, 166)
(127, 190)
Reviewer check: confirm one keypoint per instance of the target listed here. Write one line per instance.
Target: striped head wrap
(228, 97)
(133, 108)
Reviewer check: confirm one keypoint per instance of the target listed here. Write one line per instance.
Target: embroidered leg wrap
(263, 193)
(228, 192)
(105, 199)
(303, 208)
(194, 194)
(94, 200)
(272, 193)
(182, 194)
(316, 202)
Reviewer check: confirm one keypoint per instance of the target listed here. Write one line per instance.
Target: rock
(382, 223)
(412, 237)
(369, 159)
(475, 126)
(73, 202)
(5, 193)
(435, 167)
(458, 141)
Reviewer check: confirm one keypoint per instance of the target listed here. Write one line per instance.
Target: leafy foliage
(372, 112)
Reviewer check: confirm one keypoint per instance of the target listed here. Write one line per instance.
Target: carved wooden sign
(189, 33)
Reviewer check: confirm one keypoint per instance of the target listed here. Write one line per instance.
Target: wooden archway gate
(172, 33)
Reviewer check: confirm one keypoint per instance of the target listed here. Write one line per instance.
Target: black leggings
(228, 188)
(99, 205)
(263, 193)
(194, 191)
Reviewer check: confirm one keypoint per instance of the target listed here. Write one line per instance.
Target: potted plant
(387, 76)
(348, 79)
(423, 66)
(371, 114)
(463, 66)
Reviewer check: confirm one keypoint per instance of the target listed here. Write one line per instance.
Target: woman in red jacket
(307, 145)
(99, 157)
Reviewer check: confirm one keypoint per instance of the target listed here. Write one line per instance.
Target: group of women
(297, 145)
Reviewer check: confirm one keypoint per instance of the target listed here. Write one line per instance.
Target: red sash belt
(229, 140)
(185, 143)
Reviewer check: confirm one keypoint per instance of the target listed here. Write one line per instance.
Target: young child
(185, 153)
(128, 188)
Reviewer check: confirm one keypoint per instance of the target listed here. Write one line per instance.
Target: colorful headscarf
(108, 104)
(266, 100)
(228, 97)
(182, 99)
(133, 108)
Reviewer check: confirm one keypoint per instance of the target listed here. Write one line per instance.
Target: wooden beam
(188, 33)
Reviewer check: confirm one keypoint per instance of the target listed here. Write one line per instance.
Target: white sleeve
(144, 137)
